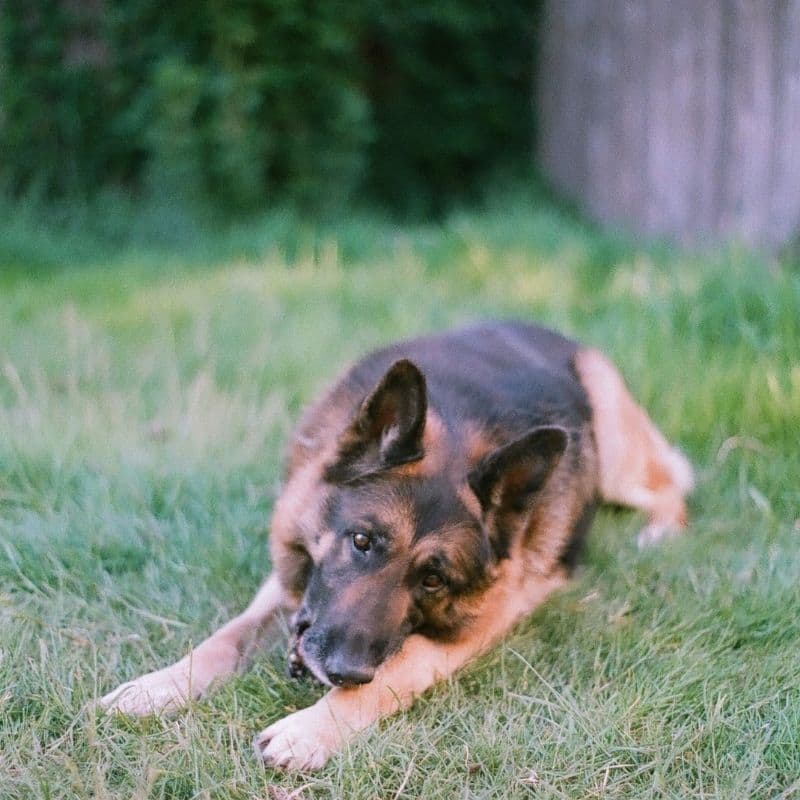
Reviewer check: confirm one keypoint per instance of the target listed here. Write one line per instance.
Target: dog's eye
(432, 582)
(362, 541)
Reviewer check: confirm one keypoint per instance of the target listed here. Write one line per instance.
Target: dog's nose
(349, 676)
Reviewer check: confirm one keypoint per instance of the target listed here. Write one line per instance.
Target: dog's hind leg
(637, 465)
(218, 657)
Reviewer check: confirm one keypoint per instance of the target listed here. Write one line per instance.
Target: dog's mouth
(296, 663)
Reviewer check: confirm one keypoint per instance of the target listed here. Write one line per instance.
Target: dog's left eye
(362, 541)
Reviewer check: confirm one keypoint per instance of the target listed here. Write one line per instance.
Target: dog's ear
(387, 429)
(507, 480)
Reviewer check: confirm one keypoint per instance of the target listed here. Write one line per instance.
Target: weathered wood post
(676, 118)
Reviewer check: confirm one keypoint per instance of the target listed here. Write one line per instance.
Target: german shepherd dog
(435, 495)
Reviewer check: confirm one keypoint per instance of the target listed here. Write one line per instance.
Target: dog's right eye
(432, 582)
(361, 541)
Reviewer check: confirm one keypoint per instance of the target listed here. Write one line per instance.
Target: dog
(434, 496)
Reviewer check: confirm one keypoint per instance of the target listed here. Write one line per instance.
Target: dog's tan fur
(624, 459)
(637, 466)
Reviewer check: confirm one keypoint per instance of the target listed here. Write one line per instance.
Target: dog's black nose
(350, 676)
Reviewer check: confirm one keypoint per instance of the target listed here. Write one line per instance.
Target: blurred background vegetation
(236, 107)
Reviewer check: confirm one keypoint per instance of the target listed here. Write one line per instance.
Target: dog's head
(400, 531)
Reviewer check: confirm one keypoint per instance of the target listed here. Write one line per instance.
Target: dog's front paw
(304, 740)
(163, 690)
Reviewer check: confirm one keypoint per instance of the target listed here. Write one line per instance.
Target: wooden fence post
(676, 118)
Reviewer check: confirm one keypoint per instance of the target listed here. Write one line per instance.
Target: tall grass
(147, 389)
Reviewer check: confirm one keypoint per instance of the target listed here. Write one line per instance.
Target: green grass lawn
(146, 392)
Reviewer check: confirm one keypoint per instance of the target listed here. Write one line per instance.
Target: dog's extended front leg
(306, 739)
(216, 658)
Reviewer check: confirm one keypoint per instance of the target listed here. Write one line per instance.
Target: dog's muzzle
(332, 669)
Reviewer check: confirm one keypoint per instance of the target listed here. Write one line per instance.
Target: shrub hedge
(263, 101)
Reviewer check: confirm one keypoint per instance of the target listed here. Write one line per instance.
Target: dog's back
(491, 382)
(496, 374)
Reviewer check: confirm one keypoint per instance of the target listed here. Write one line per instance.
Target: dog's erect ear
(507, 480)
(387, 429)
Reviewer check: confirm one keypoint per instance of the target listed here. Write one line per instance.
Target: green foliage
(262, 101)
(451, 94)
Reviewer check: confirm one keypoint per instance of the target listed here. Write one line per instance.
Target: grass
(147, 387)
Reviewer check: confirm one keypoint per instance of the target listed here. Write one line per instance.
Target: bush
(262, 101)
